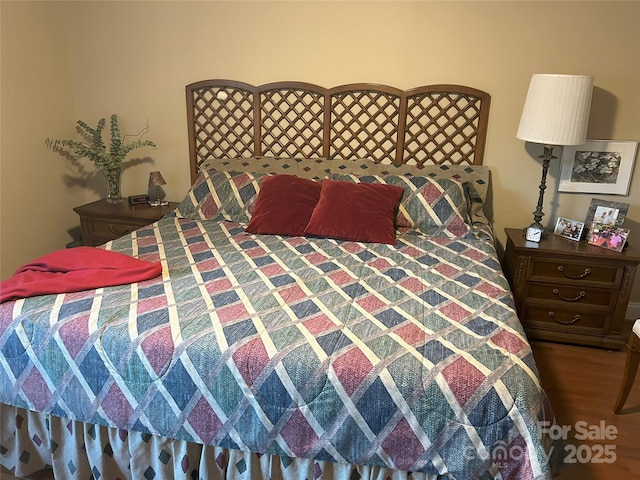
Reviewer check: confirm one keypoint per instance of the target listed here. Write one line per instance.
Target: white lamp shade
(556, 111)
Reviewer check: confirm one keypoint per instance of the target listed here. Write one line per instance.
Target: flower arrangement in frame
(571, 229)
(606, 236)
(598, 166)
(605, 212)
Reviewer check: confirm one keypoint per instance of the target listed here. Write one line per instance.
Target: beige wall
(36, 101)
(67, 60)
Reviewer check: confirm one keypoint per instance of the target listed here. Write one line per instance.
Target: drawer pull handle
(580, 295)
(115, 231)
(586, 272)
(573, 320)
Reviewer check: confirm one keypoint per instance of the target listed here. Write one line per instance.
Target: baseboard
(633, 311)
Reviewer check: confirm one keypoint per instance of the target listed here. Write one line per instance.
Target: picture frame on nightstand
(606, 236)
(605, 212)
(567, 228)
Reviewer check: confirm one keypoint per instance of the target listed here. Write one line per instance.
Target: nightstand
(101, 221)
(568, 291)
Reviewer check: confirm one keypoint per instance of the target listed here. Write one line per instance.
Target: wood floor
(583, 385)
(42, 475)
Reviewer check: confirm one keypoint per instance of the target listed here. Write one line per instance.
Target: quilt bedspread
(408, 357)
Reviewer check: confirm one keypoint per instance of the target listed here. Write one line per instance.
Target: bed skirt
(31, 441)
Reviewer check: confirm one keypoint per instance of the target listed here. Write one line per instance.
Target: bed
(371, 334)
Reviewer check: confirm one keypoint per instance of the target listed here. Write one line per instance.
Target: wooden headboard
(429, 125)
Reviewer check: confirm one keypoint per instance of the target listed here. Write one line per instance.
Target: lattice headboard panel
(436, 124)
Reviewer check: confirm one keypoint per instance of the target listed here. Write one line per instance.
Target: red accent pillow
(361, 212)
(284, 205)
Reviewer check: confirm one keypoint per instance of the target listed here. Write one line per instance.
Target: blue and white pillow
(433, 206)
(221, 195)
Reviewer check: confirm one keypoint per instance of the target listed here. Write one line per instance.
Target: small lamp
(556, 112)
(156, 180)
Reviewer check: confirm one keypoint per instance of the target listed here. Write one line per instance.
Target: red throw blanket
(75, 269)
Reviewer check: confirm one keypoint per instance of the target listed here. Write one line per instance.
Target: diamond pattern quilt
(409, 357)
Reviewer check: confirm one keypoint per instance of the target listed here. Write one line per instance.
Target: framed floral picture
(598, 166)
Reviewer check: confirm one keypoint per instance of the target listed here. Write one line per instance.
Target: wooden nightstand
(568, 291)
(101, 221)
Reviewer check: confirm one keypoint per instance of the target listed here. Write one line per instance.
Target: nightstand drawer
(101, 221)
(568, 271)
(542, 316)
(110, 229)
(573, 294)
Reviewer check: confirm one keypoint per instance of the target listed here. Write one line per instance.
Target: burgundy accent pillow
(284, 205)
(361, 212)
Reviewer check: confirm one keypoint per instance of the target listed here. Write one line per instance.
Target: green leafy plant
(92, 144)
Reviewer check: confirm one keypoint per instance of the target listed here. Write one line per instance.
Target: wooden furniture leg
(633, 359)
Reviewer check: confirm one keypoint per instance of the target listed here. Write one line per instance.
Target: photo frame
(609, 237)
(600, 211)
(598, 166)
(567, 228)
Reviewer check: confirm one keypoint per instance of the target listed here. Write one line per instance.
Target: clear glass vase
(113, 178)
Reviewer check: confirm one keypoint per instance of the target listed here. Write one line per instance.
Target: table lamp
(156, 180)
(556, 112)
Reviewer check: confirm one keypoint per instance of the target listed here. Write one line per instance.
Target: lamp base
(157, 202)
(546, 157)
